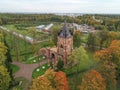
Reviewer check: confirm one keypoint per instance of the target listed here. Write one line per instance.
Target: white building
(48, 26)
(39, 28)
(83, 28)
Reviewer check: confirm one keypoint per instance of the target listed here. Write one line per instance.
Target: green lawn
(14, 68)
(41, 70)
(32, 60)
(84, 38)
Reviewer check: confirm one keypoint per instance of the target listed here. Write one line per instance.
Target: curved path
(26, 70)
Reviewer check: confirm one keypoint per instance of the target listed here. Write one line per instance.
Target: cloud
(62, 6)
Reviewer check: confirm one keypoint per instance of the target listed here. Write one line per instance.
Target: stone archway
(52, 56)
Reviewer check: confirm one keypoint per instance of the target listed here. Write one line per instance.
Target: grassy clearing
(84, 38)
(41, 71)
(14, 68)
(32, 60)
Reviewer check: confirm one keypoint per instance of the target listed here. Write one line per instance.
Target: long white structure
(27, 38)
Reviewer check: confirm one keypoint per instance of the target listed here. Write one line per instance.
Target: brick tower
(65, 43)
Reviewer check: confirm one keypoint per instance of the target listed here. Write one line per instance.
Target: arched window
(53, 56)
(61, 50)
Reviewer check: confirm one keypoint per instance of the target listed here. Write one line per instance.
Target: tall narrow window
(61, 50)
(52, 56)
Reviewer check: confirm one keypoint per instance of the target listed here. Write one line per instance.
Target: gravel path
(26, 71)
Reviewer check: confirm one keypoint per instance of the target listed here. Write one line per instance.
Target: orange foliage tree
(41, 83)
(108, 71)
(110, 60)
(61, 81)
(111, 36)
(50, 81)
(93, 81)
(112, 53)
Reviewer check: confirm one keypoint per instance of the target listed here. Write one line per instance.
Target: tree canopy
(4, 78)
(93, 80)
(50, 81)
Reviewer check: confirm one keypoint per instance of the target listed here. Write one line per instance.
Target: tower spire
(64, 32)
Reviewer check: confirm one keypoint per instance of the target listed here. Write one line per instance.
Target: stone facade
(64, 46)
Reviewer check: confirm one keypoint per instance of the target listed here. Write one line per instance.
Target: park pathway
(26, 71)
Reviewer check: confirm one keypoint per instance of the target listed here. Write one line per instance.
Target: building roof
(64, 32)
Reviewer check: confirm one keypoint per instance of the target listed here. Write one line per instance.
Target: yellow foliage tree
(93, 81)
(50, 81)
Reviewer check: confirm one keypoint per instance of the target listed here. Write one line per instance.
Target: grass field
(84, 38)
(41, 71)
(35, 59)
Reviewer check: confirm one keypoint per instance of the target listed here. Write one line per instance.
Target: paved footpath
(26, 71)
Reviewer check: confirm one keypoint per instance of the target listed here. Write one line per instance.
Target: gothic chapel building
(64, 46)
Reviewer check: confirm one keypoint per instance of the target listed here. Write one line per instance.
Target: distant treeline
(100, 22)
(33, 18)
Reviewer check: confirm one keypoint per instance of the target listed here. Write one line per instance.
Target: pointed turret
(65, 32)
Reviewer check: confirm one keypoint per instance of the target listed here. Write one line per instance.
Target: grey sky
(61, 6)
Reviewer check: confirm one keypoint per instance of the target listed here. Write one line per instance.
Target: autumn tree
(41, 83)
(61, 81)
(108, 71)
(93, 80)
(5, 73)
(50, 81)
(112, 53)
(101, 39)
(3, 50)
(111, 36)
(4, 78)
(110, 59)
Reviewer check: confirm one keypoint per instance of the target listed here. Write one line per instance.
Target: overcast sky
(61, 6)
